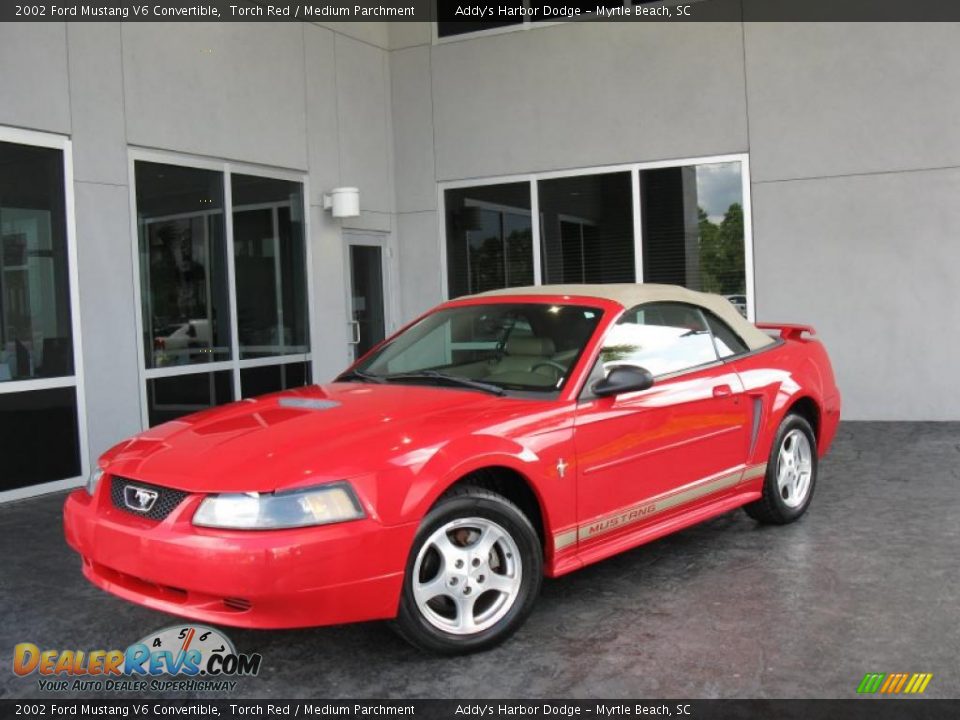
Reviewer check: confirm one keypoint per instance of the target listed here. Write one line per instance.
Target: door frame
(382, 240)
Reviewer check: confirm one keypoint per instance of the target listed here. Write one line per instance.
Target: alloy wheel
(794, 468)
(467, 576)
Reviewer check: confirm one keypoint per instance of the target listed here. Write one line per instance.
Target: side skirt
(653, 531)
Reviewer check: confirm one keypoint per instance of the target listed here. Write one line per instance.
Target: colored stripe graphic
(894, 683)
(871, 682)
(890, 682)
(919, 683)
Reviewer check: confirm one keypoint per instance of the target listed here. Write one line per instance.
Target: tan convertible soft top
(630, 295)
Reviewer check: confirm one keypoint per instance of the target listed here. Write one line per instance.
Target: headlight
(93, 479)
(320, 505)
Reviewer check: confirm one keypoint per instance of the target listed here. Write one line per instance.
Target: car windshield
(496, 347)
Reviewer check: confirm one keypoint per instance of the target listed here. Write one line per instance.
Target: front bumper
(303, 577)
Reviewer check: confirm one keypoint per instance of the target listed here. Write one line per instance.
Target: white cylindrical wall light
(343, 202)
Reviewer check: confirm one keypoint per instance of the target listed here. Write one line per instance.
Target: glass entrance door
(367, 307)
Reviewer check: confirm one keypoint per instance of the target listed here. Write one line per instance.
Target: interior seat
(522, 353)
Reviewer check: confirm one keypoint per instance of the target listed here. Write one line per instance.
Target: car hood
(300, 437)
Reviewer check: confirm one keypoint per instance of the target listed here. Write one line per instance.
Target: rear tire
(791, 474)
(473, 574)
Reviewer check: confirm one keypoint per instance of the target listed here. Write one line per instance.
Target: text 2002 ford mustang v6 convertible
(498, 438)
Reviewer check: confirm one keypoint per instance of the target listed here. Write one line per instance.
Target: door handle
(722, 391)
(354, 332)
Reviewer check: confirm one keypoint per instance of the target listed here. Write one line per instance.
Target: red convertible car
(497, 439)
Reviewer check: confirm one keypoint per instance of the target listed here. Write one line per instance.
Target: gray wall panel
(372, 33)
(322, 126)
(408, 34)
(330, 301)
(364, 118)
(233, 90)
(33, 83)
(871, 262)
(413, 129)
(419, 262)
(107, 322)
(585, 94)
(96, 92)
(840, 98)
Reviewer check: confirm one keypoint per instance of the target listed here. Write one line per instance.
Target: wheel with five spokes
(791, 474)
(473, 574)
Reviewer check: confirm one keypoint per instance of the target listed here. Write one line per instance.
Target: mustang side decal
(654, 506)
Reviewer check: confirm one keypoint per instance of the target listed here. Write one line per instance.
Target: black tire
(460, 504)
(773, 508)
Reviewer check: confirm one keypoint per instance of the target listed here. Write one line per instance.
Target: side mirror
(623, 379)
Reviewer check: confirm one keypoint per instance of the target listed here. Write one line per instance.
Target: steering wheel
(550, 364)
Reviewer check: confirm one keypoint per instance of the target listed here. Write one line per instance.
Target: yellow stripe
(910, 685)
(926, 681)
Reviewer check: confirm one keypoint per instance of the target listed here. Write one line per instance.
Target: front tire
(791, 474)
(473, 574)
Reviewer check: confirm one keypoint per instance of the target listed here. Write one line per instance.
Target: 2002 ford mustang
(496, 439)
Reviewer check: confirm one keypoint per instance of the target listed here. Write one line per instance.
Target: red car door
(644, 456)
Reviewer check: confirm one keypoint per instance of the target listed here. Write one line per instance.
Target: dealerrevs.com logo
(202, 657)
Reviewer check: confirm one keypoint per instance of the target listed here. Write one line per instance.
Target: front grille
(166, 501)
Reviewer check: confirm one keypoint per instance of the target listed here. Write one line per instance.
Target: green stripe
(871, 682)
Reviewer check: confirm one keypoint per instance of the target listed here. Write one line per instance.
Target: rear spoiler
(788, 331)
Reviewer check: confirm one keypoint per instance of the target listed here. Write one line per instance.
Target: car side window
(727, 341)
(664, 338)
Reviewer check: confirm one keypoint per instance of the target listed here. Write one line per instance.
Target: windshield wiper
(360, 375)
(453, 379)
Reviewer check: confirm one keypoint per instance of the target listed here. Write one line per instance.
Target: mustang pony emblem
(138, 498)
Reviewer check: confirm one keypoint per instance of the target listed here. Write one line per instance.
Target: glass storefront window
(223, 299)
(39, 437)
(691, 229)
(587, 228)
(489, 238)
(36, 340)
(272, 378)
(40, 418)
(183, 268)
(169, 398)
(270, 260)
